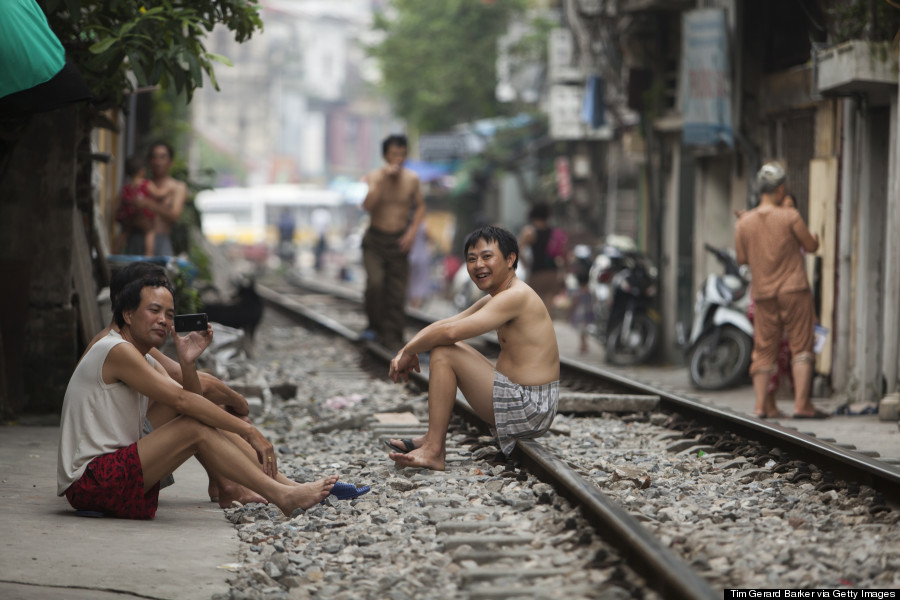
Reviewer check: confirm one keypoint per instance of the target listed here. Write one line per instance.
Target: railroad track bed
(484, 528)
(746, 517)
(740, 513)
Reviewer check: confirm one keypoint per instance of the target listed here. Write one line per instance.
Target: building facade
(723, 86)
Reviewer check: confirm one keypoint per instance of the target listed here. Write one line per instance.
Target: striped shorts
(522, 411)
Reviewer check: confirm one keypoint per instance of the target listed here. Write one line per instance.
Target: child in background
(128, 214)
(581, 308)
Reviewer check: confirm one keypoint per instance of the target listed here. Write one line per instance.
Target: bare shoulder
(410, 181)
(522, 295)
(793, 215)
(374, 175)
(508, 304)
(179, 186)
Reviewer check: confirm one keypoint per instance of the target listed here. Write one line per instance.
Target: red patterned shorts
(114, 484)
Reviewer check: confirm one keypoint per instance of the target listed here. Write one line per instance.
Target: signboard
(561, 56)
(442, 147)
(706, 79)
(565, 108)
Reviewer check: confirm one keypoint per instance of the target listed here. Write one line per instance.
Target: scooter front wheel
(715, 365)
(635, 347)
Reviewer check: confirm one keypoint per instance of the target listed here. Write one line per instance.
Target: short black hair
(506, 241)
(140, 269)
(395, 139)
(541, 211)
(130, 297)
(165, 145)
(133, 165)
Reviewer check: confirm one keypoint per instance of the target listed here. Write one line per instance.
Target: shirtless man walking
(519, 395)
(394, 192)
(170, 208)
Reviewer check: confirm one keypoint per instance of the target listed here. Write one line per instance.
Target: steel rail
(843, 461)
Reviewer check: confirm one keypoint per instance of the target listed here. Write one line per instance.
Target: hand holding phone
(196, 337)
(194, 322)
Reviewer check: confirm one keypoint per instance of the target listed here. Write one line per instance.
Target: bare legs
(450, 367)
(225, 492)
(220, 490)
(802, 368)
(166, 448)
(765, 402)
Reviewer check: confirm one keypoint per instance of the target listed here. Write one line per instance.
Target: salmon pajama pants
(792, 313)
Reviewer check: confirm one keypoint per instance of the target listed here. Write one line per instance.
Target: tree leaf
(126, 28)
(196, 73)
(103, 45)
(220, 58)
(162, 40)
(139, 74)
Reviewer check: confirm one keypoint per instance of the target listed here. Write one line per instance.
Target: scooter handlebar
(728, 261)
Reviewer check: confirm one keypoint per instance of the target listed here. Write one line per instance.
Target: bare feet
(231, 492)
(808, 411)
(306, 495)
(772, 415)
(815, 414)
(420, 457)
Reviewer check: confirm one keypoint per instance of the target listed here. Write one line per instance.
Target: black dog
(244, 312)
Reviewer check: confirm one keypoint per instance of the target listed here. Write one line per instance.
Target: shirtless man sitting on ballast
(518, 396)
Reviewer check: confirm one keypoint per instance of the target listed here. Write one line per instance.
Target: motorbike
(623, 290)
(721, 339)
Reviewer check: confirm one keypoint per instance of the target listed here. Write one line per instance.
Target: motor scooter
(623, 289)
(721, 339)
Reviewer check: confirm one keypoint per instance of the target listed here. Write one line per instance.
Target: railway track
(843, 460)
(672, 578)
(694, 428)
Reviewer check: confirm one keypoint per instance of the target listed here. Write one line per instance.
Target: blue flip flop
(347, 491)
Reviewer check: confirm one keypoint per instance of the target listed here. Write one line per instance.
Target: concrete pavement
(47, 552)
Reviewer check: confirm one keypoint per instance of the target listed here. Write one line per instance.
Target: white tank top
(97, 418)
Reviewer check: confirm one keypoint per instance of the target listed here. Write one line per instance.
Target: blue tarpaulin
(187, 268)
(593, 106)
(427, 171)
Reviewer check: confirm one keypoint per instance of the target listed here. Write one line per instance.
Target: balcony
(856, 67)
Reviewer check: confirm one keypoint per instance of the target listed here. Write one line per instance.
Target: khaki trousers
(387, 275)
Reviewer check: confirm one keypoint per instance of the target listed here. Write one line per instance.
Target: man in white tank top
(100, 430)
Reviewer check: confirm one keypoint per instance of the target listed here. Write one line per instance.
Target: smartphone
(196, 322)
